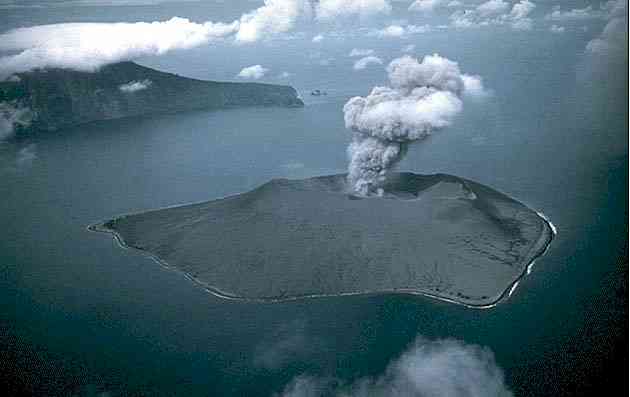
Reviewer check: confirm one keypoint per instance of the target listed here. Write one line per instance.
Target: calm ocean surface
(79, 315)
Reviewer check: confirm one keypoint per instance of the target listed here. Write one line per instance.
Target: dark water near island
(79, 315)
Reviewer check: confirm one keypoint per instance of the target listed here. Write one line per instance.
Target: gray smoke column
(422, 97)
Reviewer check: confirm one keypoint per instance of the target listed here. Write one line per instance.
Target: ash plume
(422, 97)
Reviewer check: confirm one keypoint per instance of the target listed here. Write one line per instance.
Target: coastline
(541, 246)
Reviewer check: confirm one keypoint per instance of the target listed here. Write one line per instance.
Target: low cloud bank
(573, 14)
(427, 369)
(400, 31)
(331, 9)
(493, 7)
(429, 6)
(422, 97)
(495, 12)
(367, 61)
(88, 46)
(254, 72)
(134, 86)
(360, 52)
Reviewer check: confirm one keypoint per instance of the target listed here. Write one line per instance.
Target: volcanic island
(437, 235)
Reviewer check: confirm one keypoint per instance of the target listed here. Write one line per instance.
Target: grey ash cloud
(423, 97)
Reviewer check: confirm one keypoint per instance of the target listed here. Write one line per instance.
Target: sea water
(81, 316)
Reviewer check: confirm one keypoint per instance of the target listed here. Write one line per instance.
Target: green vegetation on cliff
(60, 98)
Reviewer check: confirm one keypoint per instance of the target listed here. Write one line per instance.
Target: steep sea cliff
(51, 99)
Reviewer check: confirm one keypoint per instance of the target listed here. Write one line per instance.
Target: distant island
(50, 99)
(436, 235)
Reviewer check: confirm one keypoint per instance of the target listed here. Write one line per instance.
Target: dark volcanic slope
(437, 235)
(61, 98)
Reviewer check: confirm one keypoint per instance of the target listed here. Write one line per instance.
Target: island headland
(50, 99)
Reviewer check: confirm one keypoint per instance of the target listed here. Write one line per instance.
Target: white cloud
(318, 38)
(494, 12)
(428, 368)
(430, 6)
(296, 165)
(331, 9)
(574, 14)
(284, 75)
(393, 31)
(473, 86)
(422, 97)
(492, 8)
(427, 6)
(134, 86)
(366, 61)
(521, 10)
(613, 40)
(88, 46)
(557, 29)
(607, 10)
(408, 48)
(254, 72)
(275, 16)
(360, 52)
(518, 17)
(308, 386)
(464, 19)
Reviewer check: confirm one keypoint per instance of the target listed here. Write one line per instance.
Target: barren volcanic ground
(436, 235)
